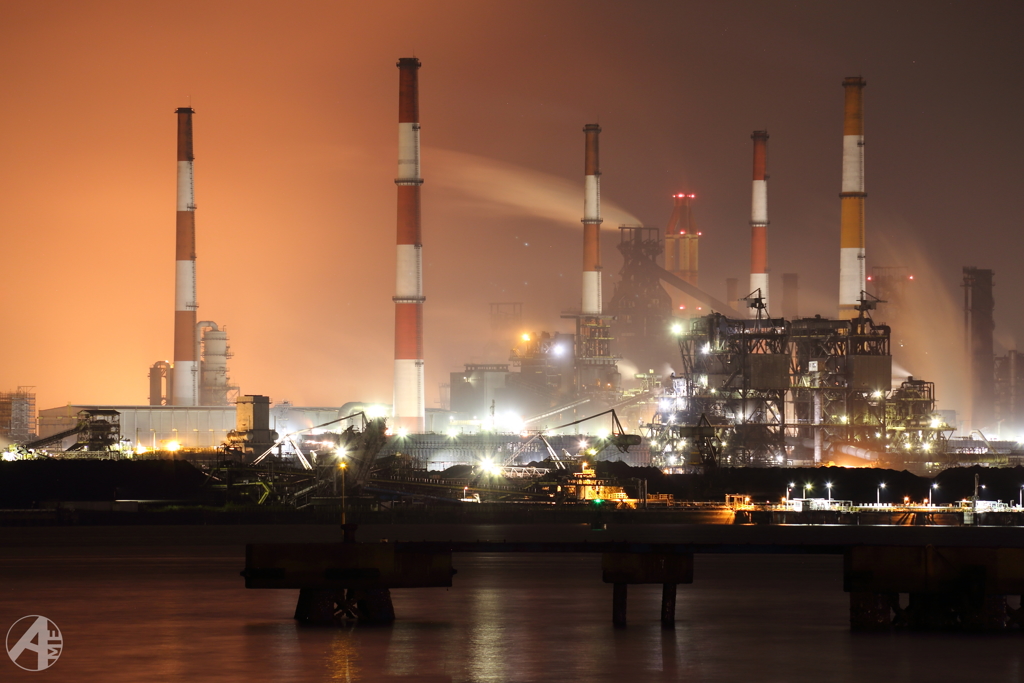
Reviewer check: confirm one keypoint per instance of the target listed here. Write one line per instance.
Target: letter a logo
(40, 637)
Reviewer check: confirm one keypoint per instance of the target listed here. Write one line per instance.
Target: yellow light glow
(140, 450)
(173, 446)
(525, 337)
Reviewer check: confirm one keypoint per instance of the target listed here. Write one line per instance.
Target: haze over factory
(813, 329)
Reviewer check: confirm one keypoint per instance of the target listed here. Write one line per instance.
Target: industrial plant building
(756, 384)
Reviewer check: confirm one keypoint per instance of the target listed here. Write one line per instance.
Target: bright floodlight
(525, 337)
(402, 432)
(173, 446)
(452, 433)
(677, 329)
(340, 450)
(602, 433)
(558, 349)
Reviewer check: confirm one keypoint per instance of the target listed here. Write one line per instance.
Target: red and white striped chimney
(592, 301)
(185, 376)
(409, 404)
(759, 220)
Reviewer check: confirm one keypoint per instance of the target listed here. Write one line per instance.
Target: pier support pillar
(989, 613)
(668, 605)
(870, 611)
(1015, 617)
(318, 607)
(372, 605)
(619, 604)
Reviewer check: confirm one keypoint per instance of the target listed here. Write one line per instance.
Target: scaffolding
(18, 414)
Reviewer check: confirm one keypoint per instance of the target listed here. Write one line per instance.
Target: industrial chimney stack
(681, 253)
(759, 220)
(852, 270)
(592, 303)
(185, 377)
(409, 403)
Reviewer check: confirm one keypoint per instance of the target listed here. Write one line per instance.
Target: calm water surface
(139, 610)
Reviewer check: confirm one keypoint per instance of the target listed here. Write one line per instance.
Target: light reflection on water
(186, 616)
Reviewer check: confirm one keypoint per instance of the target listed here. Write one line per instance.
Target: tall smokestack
(681, 242)
(185, 384)
(759, 220)
(592, 303)
(409, 406)
(852, 270)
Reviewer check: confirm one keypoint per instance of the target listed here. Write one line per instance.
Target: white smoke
(485, 185)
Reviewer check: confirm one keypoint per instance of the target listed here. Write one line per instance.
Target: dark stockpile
(39, 483)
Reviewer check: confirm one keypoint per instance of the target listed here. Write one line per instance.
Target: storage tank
(214, 386)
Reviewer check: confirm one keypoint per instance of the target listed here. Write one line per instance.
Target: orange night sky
(295, 145)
